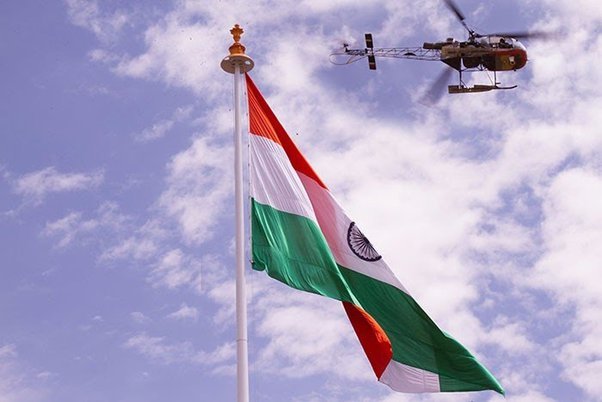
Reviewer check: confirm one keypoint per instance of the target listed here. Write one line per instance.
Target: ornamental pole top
(237, 54)
(237, 32)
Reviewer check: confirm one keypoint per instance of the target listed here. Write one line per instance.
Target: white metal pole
(237, 63)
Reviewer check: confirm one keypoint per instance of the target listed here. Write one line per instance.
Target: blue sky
(116, 197)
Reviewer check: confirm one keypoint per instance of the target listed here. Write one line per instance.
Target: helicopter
(490, 52)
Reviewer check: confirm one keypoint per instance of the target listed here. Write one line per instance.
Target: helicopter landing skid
(461, 89)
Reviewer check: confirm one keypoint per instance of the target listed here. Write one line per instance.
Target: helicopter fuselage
(491, 53)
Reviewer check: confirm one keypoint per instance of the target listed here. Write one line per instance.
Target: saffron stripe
(262, 121)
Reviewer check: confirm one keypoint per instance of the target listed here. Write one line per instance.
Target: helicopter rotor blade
(526, 35)
(459, 14)
(436, 90)
(455, 9)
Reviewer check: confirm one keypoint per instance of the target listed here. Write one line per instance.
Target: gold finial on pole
(237, 47)
(237, 54)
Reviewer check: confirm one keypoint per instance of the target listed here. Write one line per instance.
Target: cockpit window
(505, 43)
(516, 44)
(501, 42)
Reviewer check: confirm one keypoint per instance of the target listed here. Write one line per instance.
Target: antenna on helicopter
(370, 52)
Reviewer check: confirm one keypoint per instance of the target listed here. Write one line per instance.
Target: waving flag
(302, 237)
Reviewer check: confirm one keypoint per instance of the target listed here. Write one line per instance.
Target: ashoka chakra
(360, 245)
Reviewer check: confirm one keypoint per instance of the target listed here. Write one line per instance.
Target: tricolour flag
(302, 237)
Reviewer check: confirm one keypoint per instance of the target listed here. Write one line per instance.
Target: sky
(116, 197)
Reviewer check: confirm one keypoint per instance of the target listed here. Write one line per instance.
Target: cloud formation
(36, 186)
(159, 350)
(160, 128)
(74, 227)
(87, 14)
(16, 385)
(185, 312)
(198, 184)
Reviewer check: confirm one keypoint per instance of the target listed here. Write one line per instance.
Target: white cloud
(136, 248)
(198, 184)
(67, 227)
(139, 317)
(73, 226)
(160, 128)
(568, 268)
(103, 56)
(158, 349)
(16, 384)
(511, 337)
(503, 236)
(87, 14)
(175, 269)
(37, 185)
(577, 13)
(139, 244)
(157, 130)
(532, 396)
(46, 375)
(220, 288)
(8, 351)
(183, 54)
(299, 331)
(300, 337)
(185, 312)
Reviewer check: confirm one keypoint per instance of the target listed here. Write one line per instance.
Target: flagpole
(237, 63)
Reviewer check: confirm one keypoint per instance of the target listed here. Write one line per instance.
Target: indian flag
(302, 237)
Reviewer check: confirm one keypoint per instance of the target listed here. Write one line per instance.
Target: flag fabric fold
(303, 238)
